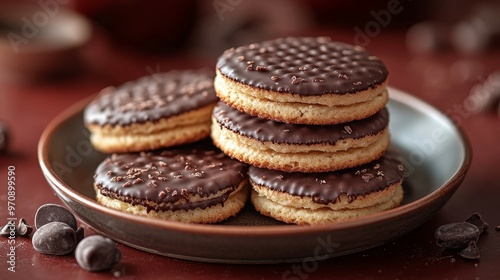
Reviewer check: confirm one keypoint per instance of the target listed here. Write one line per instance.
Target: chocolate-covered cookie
(185, 184)
(303, 80)
(319, 198)
(162, 110)
(297, 147)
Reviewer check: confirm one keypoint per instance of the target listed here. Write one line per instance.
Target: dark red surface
(27, 109)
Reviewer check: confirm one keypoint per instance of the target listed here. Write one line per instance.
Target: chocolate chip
(478, 221)
(456, 235)
(54, 238)
(4, 137)
(80, 234)
(6, 230)
(23, 229)
(54, 213)
(97, 253)
(471, 252)
(497, 228)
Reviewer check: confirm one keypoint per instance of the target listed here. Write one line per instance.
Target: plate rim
(258, 230)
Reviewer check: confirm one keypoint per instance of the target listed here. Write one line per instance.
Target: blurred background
(429, 46)
(56, 53)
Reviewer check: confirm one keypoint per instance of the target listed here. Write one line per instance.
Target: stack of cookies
(158, 165)
(309, 116)
(304, 119)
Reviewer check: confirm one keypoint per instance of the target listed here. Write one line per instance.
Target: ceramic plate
(437, 156)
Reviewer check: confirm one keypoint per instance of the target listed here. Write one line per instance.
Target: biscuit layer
(304, 216)
(212, 214)
(166, 132)
(292, 108)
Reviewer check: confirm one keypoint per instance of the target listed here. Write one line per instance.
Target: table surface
(444, 80)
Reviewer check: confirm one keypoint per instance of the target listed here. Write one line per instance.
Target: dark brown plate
(437, 156)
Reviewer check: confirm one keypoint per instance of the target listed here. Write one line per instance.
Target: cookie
(153, 112)
(320, 198)
(302, 80)
(297, 147)
(184, 184)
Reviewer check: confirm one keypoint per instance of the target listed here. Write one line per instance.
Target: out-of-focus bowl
(436, 152)
(38, 41)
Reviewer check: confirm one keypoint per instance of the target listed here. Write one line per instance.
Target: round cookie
(186, 184)
(302, 80)
(296, 147)
(320, 198)
(153, 112)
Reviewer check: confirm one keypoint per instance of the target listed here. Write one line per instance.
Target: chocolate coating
(304, 65)
(278, 132)
(152, 97)
(170, 176)
(325, 188)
